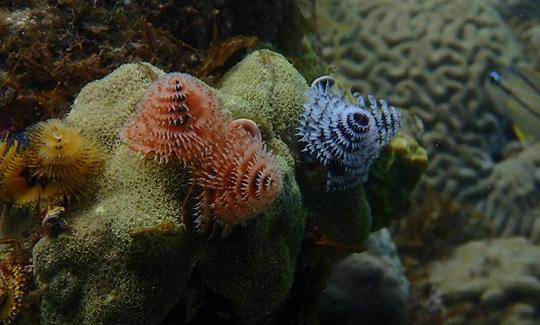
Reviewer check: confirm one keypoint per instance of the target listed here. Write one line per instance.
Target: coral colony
(143, 213)
(343, 137)
(179, 118)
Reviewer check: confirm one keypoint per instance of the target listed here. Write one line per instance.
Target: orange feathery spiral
(238, 181)
(178, 117)
(13, 280)
(60, 159)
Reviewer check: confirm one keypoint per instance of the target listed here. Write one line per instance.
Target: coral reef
(127, 257)
(369, 287)
(179, 117)
(429, 56)
(343, 137)
(429, 232)
(490, 281)
(434, 227)
(133, 236)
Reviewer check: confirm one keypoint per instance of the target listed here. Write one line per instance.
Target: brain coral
(512, 199)
(493, 281)
(430, 56)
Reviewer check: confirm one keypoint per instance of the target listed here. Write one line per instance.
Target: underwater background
(270, 162)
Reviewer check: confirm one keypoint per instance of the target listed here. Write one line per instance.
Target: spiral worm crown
(239, 181)
(177, 118)
(343, 137)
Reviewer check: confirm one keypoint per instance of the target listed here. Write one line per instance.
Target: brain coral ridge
(490, 281)
(432, 57)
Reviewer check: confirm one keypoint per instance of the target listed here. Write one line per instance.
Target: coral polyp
(62, 160)
(238, 181)
(343, 137)
(177, 118)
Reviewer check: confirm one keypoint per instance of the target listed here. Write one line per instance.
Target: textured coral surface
(490, 281)
(275, 89)
(432, 57)
(128, 249)
(429, 56)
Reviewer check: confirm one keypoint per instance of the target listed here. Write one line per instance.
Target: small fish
(516, 92)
